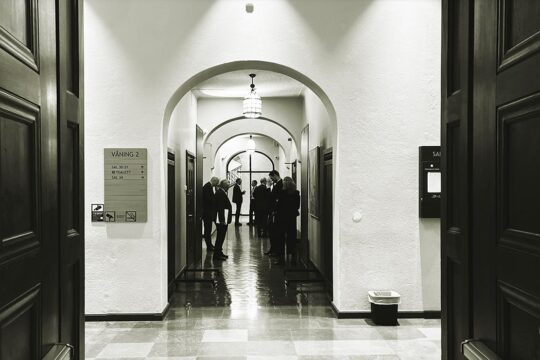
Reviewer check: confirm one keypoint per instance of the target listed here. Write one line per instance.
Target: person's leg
(237, 215)
(208, 233)
(251, 211)
(291, 239)
(220, 239)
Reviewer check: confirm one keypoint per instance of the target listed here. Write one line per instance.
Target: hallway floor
(251, 314)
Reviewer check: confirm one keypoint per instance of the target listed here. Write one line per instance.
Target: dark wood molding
(128, 317)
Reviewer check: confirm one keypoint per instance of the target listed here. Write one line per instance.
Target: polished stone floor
(251, 314)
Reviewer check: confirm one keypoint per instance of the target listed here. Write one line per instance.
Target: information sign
(126, 175)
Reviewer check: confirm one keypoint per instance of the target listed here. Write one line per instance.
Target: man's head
(214, 181)
(274, 176)
(239, 181)
(254, 183)
(225, 184)
(263, 181)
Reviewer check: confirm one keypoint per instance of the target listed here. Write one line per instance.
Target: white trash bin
(384, 306)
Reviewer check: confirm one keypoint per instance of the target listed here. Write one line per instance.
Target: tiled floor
(251, 314)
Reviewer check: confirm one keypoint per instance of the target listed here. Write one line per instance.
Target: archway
(278, 68)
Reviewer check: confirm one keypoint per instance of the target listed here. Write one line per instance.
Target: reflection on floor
(251, 314)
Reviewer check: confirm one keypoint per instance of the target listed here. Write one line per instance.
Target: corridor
(251, 314)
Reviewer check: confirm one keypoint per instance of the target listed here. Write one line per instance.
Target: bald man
(209, 211)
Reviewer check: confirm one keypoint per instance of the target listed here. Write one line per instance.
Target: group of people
(276, 209)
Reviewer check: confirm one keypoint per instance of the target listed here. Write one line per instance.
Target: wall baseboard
(128, 317)
(401, 314)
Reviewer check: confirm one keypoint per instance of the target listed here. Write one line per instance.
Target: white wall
(377, 62)
(182, 139)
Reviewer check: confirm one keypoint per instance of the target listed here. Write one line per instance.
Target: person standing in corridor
(208, 212)
(237, 198)
(223, 217)
(262, 202)
(275, 228)
(288, 205)
(252, 211)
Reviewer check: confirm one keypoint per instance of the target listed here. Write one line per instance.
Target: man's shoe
(220, 257)
(238, 224)
(209, 247)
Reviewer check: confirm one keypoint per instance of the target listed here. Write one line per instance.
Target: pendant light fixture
(251, 145)
(252, 102)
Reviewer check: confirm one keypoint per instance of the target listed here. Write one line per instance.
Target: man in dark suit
(261, 196)
(276, 230)
(237, 198)
(223, 217)
(208, 213)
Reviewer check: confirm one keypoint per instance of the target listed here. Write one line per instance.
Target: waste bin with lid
(384, 307)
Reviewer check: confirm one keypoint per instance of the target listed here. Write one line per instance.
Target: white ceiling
(236, 84)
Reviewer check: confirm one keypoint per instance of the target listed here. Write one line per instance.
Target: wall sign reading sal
(126, 175)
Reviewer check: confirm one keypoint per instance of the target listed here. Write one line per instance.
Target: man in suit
(208, 213)
(237, 198)
(276, 229)
(261, 195)
(252, 203)
(223, 217)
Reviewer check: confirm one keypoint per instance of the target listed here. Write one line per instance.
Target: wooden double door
(491, 178)
(41, 180)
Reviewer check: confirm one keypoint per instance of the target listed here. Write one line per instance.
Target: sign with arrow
(126, 192)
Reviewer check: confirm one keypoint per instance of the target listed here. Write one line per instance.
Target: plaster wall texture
(182, 139)
(377, 66)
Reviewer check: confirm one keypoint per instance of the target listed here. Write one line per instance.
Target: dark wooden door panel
(70, 142)
(40, 153)
(455, 165)
(190, 211)
(171, 222)
(199, 158)
(29, 241)
(327, 219)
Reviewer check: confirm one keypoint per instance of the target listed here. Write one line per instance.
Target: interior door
(71, 158)
(199, 135)
(327, 218)
(171, 222)
(456, 127)
(506, 159)
(304, 152)
(190, 211)
(40, 150)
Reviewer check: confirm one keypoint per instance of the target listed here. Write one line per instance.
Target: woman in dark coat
(288, 204)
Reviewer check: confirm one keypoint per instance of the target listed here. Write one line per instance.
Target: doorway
(171, 221)
(193, 255)
(327, 219)
(248, 167)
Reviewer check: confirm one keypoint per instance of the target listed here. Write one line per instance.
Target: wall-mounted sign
(126, 175)
(430, 182)
(97, 212)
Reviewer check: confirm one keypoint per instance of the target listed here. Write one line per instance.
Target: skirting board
(128, 317)
(400, 315)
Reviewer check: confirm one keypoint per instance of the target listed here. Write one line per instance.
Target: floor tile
(215, 336)
(343, 347)
(125, 350)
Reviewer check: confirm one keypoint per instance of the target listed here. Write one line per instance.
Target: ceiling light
(251, 145)
(252, 102)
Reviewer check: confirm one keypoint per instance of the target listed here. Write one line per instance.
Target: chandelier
(252, 102)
